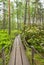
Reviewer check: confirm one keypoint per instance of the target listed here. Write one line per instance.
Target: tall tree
(9, 17)
(25, 13)
(28, 12)
(37, 6)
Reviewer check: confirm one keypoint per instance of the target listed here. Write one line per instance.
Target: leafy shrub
(34, 36)
(4, 38)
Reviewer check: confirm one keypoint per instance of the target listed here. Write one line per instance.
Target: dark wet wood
(0, 54)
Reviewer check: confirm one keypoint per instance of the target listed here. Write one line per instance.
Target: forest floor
(18, 56)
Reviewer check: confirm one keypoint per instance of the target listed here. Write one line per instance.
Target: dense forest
(24, 17)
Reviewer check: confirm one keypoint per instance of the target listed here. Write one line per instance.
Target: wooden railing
(33, 52)
(3, 56)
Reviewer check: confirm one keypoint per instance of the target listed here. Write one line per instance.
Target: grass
(38, 60)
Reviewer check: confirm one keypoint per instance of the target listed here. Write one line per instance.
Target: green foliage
(38, 60)
(4, 39)
(34, 36)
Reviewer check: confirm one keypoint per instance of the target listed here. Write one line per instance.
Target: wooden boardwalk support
(33, 54)
(2, 55)
(18, 56)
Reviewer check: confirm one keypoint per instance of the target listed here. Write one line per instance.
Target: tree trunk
(28, 13)
(9, 17)
(25, 14)
(3, 15)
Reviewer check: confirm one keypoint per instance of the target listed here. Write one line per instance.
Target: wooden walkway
(18, 56)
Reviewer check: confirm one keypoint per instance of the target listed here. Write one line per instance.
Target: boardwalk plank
(12, 56)
(18, 56)
(25, 60)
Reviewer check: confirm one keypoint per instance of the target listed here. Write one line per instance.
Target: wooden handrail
(37, 52)
(3, 57)
(2, 54)
(33, 52)
(25, 44)
(32, 47)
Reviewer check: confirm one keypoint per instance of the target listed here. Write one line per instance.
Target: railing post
(3, 57)
(32, 55)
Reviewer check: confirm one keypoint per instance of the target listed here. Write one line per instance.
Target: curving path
(18, 56)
